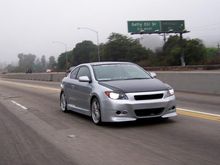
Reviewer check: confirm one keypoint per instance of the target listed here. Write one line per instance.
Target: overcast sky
(31, 26)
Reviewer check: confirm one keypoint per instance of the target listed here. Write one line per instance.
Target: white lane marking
(199, 112)
(21, 106)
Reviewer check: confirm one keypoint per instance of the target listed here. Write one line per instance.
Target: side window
(74, 73)
(83, 71)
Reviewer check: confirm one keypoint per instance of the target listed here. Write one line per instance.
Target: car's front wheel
(96, 112)
(63, 103)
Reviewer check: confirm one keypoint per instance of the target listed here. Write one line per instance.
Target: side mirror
(84, 79)
(153, 74)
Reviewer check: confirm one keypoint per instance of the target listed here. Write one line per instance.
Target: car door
(69, 89)
(82, 90)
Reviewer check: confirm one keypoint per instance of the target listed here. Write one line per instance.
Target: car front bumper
(131, 110)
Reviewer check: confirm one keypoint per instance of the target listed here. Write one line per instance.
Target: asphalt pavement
(20, 144)
(34, 131)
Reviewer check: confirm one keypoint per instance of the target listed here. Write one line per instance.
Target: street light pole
(65, 46)
(97, 37)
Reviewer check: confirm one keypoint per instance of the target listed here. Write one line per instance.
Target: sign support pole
(182, 57)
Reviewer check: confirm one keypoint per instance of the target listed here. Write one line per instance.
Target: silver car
(116, 92)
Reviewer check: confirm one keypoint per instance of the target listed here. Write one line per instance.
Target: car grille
(148, 97)
(149, 112)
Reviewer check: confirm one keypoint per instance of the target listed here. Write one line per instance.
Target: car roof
(100, 63)
(106, 63)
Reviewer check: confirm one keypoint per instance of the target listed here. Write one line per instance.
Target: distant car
(4, 72)
(116, 92)
(48, 70)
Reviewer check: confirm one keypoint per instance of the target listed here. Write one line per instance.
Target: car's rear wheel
(63, 103)
(96, 112)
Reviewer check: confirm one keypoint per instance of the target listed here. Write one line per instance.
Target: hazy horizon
(31, 26)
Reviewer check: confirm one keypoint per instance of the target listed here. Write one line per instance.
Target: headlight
(116, 95)
(169, 93)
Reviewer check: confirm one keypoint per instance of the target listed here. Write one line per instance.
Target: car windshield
(110, 72)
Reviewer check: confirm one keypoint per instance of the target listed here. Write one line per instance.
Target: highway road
(34, 131)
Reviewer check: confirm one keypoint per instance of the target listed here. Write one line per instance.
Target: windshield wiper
(136, 78)
(105, 80)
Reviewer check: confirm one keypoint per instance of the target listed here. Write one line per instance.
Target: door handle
(73, 86)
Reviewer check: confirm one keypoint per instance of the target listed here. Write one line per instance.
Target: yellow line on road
(29, 85)
(198, 114)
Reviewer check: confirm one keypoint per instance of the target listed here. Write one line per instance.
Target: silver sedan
(116, 92)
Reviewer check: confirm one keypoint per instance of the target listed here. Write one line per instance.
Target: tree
(194, 51)
(172, 51)
(52, 62)
(40, 64)
(37, 65)
(63, 61)
(26, 61)
(11, 68)
(43, 62)
(122, 48)
(213, 56)
(85, 51)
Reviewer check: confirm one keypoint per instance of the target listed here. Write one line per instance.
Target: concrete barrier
(206, 82)
(54, 76)
(184, 68)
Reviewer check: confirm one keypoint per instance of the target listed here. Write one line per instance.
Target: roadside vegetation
(122, 48)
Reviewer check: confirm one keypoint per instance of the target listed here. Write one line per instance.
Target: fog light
(124, 112)
(172, 108)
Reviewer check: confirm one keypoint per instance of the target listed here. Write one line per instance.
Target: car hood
(141, 85)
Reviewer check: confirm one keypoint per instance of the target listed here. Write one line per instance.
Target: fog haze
(31, 26)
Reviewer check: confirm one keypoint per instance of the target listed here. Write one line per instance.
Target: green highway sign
(149, 27)
(172, 26)
(143, 26)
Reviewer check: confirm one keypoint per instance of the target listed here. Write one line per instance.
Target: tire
(96, 112)
(63, 103)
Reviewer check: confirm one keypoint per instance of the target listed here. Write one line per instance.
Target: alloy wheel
(96, 113)
(63, 105)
